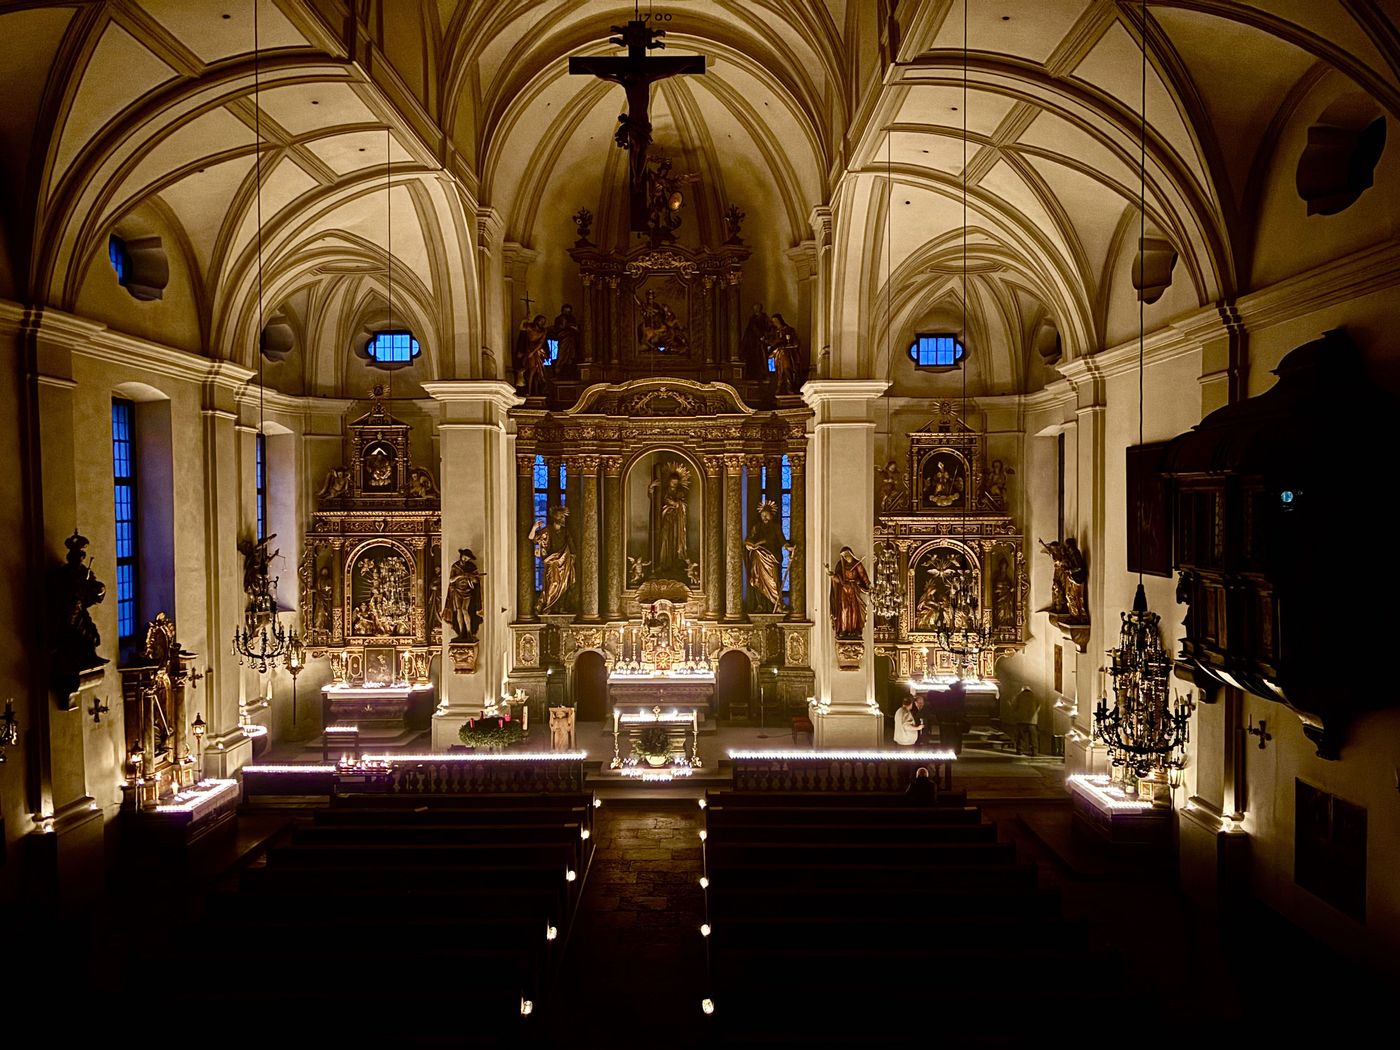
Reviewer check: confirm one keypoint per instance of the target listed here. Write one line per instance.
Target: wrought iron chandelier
(965, 641)
(261, 639)
(1142, 731)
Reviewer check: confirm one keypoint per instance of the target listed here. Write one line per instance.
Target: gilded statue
(1004, 596)
(380, 465)
(849, 585)
(1068, 581)
(894, 491)
(555, 547)
(421, 484)
(531, 353)
(784, 355)
(670, 493)
(943, 484)
(463, 606)
(763, 549)
(337, 484)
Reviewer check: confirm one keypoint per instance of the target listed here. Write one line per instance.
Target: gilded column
(524, 549)
(587, 467)
(612, 534)
(797, 582)
(733, 538)
(714, 537)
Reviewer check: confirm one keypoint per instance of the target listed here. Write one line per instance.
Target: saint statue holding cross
(636, 73)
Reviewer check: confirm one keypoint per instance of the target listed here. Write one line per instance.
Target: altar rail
(449, 774)
(808, 771)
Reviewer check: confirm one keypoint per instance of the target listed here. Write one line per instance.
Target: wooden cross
(527, 301)
(1260, 731)
(97, 710)
(635, 73)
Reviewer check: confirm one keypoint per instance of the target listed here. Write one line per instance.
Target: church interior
(537, 522)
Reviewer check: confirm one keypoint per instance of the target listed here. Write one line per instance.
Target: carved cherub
(337, 483)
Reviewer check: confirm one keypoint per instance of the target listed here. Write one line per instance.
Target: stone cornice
(1368, 270)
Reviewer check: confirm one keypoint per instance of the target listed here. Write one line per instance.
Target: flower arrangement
(491, 734)
(652, 742)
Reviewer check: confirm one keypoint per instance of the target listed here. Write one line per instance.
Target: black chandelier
(262, 639)
(961, 634)
(1142, 731)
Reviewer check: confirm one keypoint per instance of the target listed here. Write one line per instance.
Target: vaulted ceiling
(137, 116)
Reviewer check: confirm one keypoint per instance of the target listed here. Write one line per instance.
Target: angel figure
(994, 489)
(894, 492)
(637, 570)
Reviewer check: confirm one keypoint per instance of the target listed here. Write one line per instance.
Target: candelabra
(1143, 731)
(9, 729)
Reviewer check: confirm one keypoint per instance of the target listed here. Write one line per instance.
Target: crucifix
(527, 301)
(635, 73)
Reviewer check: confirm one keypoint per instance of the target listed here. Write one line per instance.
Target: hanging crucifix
(635, 73)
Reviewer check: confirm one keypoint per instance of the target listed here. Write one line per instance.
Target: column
(495, 312)
(524, 549)
(612, 533)
(797, 583)
(820, 222)
(587, 467)
(733, 538)
(714, 537)
(476, 499)
(842, 513)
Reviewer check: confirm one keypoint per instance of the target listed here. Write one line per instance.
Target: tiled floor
(635, 963)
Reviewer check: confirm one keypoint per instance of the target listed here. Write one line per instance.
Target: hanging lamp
(966, 642)
(1144, 733)
(261, 639)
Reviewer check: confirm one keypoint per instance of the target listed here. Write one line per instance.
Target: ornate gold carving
(796, 649)
(464, 655)
(849, 655)
(527, 649)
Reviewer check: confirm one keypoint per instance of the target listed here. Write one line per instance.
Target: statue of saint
(258, 585)
(78, 590)
(764, 551)
(849, 584)
(755, 342)
(894, 493)
(994, 489)
(380, 466)
(1058, 605)
(943, 485)
(565, 332)
(1076, 582)
(556, 547)
(1004, 596)
(659, 329)
(531, 353)
(322, 599)
(785, 354)
(670, 493)
(463, 606)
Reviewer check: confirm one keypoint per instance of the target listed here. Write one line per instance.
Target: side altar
(371, 576)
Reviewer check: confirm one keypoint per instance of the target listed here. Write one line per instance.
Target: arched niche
(943, 588)
(588, 685)
(382, 581)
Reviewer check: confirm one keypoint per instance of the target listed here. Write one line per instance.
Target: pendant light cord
(257, 175)
(1142, 254)
(967, 480)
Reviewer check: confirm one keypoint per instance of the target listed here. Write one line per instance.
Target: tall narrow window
(785, 508)
(541, 483)
(260, 481)
(124, 504)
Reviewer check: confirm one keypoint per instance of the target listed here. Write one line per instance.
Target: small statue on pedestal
(785, 356)
(849, 585)
(76, 637)
(463, 606)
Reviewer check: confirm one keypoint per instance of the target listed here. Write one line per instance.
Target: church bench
(952, 918)
(476, 817)
(880, 879)
(852, 833)
(881, 851)
(434, 906)
(885, 816)
(374, 836)
(399, 881)
(824, 800)
(554, 856)
(464, 801)
(789, 903)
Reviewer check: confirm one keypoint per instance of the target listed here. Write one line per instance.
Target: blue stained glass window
(260, 480)
(552, 348)
(541, 486)
(124, 507)
(772, 364)
(785, 508)
(121, 261)
(563, 484)
(936, 351)
(394, 348)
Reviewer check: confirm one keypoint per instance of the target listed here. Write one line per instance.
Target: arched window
(124, 499)
(936, 350)
(120, 257)
(550, 483)
(393, 348)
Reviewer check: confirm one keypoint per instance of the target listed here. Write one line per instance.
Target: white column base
(847, 727)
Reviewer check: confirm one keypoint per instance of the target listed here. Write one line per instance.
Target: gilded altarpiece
(943, 533)
(666, 482)
(371, 568)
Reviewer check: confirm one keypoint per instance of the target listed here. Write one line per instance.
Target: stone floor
(635, 962)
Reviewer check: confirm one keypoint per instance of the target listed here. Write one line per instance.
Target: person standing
(921, 719)
(906, 733)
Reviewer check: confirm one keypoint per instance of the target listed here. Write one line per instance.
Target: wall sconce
(9, 729)
(295, 660)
